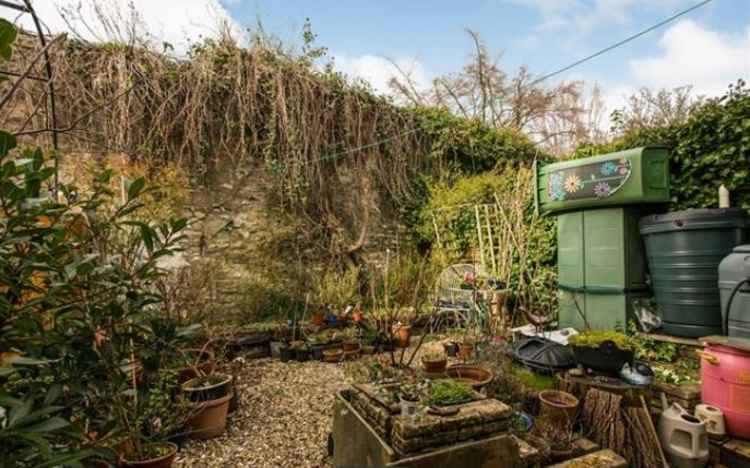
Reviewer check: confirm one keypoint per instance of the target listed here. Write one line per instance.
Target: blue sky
(543, 34)
(707, 48)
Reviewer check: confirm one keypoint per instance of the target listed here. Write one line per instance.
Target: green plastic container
(601, 267)
(635, 176)
(684, 250)
(734, 271)
(602, 309)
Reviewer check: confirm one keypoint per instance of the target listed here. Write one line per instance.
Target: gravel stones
(284, 418)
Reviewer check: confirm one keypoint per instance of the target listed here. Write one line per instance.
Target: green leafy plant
(445, 392)
(595, 338)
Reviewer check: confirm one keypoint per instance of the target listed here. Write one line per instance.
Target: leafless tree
(557, 117)
(647, 108)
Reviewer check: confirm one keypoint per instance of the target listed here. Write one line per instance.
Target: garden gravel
(284, 418)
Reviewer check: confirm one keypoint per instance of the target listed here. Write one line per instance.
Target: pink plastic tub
(725, 372)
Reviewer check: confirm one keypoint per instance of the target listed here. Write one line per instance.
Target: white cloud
(693, 55)
(178, 22)
(588, 15)
(378, 70)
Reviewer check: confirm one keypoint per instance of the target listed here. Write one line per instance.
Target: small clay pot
(333, 355)
(434, 366)
(350, 346)
(318, 319)
(558, 407)
(402, 333)
(358, 316)
(465, 351)
(164, 461)
(209, 419)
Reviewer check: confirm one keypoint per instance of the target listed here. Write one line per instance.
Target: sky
(708, 48)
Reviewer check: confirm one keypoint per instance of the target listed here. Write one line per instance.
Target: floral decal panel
(598, 180)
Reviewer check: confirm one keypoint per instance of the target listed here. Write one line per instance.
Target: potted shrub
(434, 362)
(194, 361)
(301, 352)
(606, 351)
(369, 340)
(211, 395)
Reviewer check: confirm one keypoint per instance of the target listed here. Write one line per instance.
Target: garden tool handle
(710, 358)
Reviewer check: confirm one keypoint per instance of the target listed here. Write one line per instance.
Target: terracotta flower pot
(195, 391)
(434, 366)
(358, 316)
(333, 355)
(475, 376)
(210, 418)
(558, 407)
(350, 346)
(465, 351)
(163, 461)
(402, 333)
(318, 319)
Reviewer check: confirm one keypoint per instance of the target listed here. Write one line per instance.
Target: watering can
(683, 437)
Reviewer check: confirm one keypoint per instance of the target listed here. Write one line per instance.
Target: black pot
(451, 349)
(302, 354)
(388, 346)
(316, 352)
(606, 358)
(286, 354)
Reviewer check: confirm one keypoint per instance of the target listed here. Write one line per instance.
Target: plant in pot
(369, 340)
(409, 396)
(466, 347)
(351, 339)
(301, 351)
(154, 419)
(434, 362)
(606, 351)
(210, 395)
(447, 392)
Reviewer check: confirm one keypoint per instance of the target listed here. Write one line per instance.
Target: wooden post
(489, 239)
(479, 234)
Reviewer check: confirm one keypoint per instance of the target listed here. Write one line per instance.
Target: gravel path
(284, 418)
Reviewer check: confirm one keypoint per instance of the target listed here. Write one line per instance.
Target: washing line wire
(537, 81)
(622, 42)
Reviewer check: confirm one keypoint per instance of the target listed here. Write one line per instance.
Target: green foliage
(445, 392)
(710, 149)
(466, 146)
(649, 349)
(76, 293)
(8, 35)
(594, 338)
